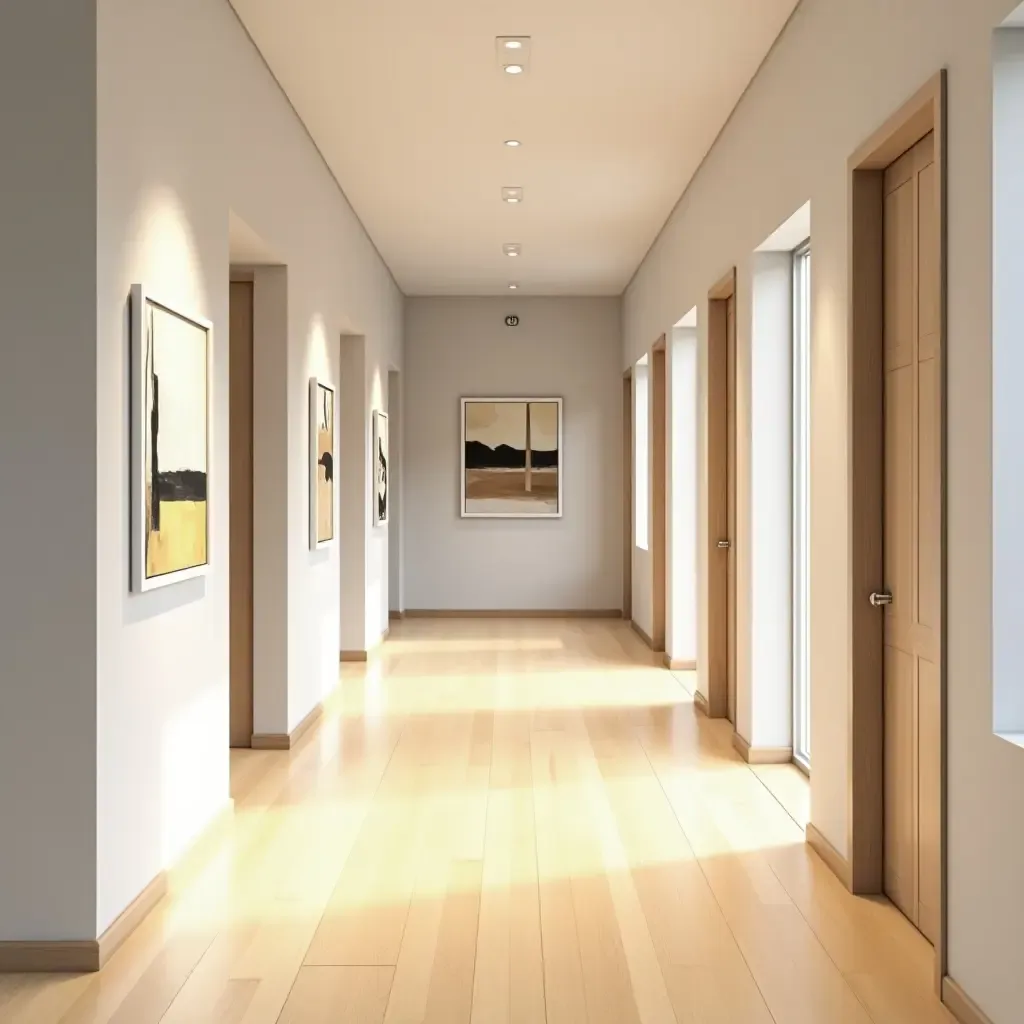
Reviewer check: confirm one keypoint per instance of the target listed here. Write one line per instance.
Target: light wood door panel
(912, 547)
(240, 482)
(730, 331)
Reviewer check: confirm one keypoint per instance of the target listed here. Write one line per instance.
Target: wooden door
(627, 495)
(730, 334)
(721, 463)
(240, 483)
(659, 532)
(912, 540)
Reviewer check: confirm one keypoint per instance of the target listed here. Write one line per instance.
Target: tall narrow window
(802, 506)
(641, 454)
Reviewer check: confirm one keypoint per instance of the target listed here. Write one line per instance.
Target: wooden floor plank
(505, 822)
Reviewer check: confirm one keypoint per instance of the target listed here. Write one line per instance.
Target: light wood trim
(628, 504)
(86, 956)
(700, 703)
(513, 613)
(834, 860)
(761, 755)
(287, 740)
(724, 288)
(718, 434)
(960, 1004)
(677, 665)
(642, 634)
(135, 913)
(921, 114)
(356, 656)
(50, 957)
(925, 112)
(659, 492)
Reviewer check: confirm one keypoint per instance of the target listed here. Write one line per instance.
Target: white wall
(460, 347)
(681, 618)
(181, 142)
(49, 482)
(764, 713)
(643, 462)
(1007, 374)
(808, 109)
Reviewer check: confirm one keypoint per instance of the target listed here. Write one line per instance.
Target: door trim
(721, 376)
(924, 113)
(628, 502)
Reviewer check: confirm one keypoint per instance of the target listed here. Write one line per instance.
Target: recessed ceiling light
(513, 69)
(513, 143)
(513, 44)
(511, 248)
(513, 287)
(512, 194)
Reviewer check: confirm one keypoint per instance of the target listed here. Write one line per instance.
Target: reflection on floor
(506, 821)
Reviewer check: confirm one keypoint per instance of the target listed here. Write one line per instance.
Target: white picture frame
(143, 308)
(381, 488)
(532, 514)
(318, 389)
(381, 485)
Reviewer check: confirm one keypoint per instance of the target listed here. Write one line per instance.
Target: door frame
(721, 436)
(628, 502)
(924, 113)
(242, 563)
(659, 494)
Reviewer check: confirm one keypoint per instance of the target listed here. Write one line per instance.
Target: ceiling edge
(704, 159)
(313, 142)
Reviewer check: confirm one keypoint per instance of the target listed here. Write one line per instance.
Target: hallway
(505, 820)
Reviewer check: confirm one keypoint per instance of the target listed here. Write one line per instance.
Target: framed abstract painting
(322, 461)
(171, 360)
(511, 458)
(380, 468)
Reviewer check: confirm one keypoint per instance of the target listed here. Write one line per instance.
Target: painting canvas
(322, 464)
(511, 458)
(380, 468)
(171, 431)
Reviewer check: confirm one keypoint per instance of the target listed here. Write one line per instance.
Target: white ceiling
(407, 102)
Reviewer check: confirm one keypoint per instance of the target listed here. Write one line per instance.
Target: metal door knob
(724, 545)
(880, 600)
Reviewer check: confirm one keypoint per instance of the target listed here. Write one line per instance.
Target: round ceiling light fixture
(513, 287)
(513, 143)
(513, 69)
(513, 44)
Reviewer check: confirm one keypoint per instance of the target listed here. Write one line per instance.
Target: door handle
(880, 599)
(724, 545)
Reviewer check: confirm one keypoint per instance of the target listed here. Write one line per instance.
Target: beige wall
(837, 73)
(568, 348)
(181, 142)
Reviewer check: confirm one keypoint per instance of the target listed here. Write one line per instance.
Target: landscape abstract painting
(511, 458)
(380, 468)
(322, 464)
(171, 411)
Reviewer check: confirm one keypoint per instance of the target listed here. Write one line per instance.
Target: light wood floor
(506, 822)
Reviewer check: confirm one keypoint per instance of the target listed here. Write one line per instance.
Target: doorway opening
(721, 456)
(241, 507)
(897, 699)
